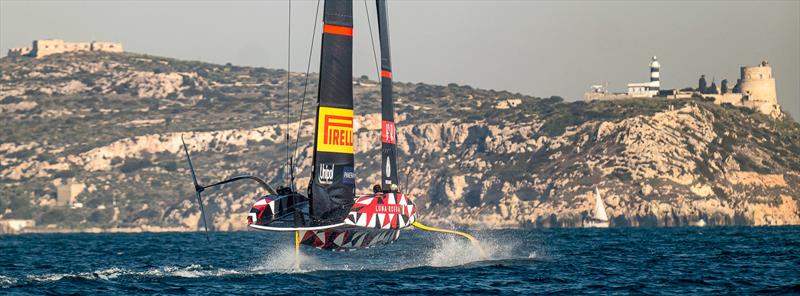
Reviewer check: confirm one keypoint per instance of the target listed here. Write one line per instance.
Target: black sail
(333, 178)
(388, 132)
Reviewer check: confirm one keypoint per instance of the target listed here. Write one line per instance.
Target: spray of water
(454, 251)
(284, 260)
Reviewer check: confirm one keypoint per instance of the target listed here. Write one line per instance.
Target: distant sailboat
(698, 223)
(599, 218)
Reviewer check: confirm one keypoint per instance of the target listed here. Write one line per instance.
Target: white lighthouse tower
(655, 76)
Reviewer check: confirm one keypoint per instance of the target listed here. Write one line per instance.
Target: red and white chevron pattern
(347, 239)
(382, 211)
(259, 208)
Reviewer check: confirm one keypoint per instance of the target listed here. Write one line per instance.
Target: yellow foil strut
(297, 249)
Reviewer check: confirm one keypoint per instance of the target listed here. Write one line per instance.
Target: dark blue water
(568, 261)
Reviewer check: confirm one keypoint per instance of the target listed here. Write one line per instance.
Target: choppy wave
(6, 282)
(191, 271)
(609, 261)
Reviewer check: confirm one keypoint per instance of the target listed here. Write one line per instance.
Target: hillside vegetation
(470, 156)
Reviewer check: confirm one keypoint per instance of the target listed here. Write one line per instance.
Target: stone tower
(758, 84)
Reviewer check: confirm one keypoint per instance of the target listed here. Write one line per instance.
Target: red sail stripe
(386, 74)
(337, 30)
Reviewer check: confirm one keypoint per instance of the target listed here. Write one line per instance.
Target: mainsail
(333, 178)
(599, 207)
(388, 132)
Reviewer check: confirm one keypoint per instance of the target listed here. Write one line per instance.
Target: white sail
(599, 207)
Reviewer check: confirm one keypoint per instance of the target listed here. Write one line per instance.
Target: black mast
(388, 132)
(332, 186)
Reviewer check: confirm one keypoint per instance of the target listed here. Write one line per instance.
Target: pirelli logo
(335, 130)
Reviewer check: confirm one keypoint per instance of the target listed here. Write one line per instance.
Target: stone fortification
(755, 89)
(758, 84)
(45, 47)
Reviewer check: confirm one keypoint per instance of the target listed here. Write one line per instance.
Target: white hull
(700, 223)
(595, 224)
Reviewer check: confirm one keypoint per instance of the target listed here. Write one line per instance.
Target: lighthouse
(655, 77)
(647, 89)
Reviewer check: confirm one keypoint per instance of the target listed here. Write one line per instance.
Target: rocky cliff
(486, 158)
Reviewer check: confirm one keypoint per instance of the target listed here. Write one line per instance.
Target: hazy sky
(539, 48)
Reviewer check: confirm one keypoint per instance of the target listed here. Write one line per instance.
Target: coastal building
(647, 89)
(45, 47)
(635, 90)
(11, 226)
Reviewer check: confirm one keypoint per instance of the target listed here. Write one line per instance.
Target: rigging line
(372, 41)
(287, 170)
(305, 90)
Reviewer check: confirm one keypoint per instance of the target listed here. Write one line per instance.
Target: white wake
(455, 251)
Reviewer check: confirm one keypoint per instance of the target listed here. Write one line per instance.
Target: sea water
(739, 260)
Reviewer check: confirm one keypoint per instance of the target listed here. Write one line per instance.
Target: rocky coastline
(478, 158)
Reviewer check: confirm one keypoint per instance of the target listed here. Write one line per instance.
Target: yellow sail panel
(335, 130)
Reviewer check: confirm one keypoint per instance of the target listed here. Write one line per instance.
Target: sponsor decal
(388, 167)
(387, 132)
(325, 173)
(388, 209)
(335, 130)
(349, 176)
